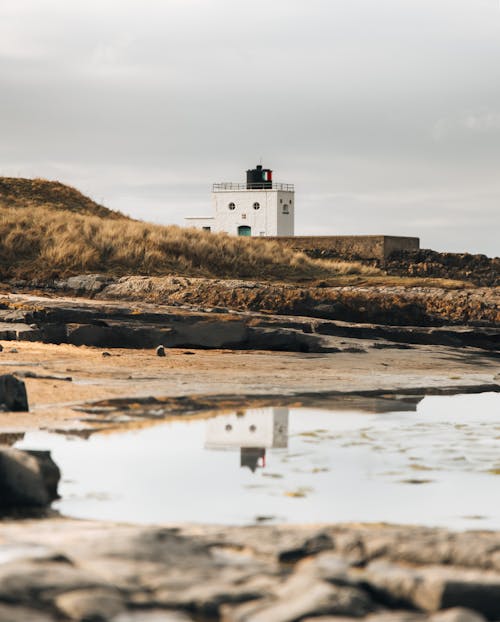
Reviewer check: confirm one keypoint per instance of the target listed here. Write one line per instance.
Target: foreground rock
(109, 324)
(13, 396)
(59, 569)
(383, 304)
(27, 479)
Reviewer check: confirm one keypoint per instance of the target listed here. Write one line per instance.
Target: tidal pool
(437, 463)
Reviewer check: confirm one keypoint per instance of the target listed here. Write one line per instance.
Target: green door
(244, 230)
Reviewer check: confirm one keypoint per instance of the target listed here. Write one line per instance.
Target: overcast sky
(384, 113)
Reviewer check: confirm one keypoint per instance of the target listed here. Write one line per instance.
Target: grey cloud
(385, 114)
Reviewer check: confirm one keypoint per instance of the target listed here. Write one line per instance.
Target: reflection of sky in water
(439, 465)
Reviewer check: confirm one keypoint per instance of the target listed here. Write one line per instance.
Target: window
(244, 230)
(284, 209)
(232, 206)
(244, 216)
(256, 205)
(281, 200)
(206, 228)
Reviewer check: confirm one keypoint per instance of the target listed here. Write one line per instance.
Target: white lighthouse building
(259, 207)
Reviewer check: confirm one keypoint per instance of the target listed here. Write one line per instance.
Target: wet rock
(27, 479)
(13, 396)
(160, 351)
(96, 605)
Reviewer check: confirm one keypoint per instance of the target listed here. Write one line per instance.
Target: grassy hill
(30, 193)
(49, 230)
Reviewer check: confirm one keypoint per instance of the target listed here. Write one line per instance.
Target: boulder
(27, 478)
(84, 283)
(13, 395)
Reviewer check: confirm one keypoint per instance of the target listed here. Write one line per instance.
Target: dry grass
(30, 193)
(44, 243)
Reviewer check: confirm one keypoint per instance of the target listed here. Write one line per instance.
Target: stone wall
(366, 247)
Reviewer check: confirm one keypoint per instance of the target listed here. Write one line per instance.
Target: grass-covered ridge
(18, 192)
(39, 241)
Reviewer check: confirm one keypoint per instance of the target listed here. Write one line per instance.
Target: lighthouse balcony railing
(262, 185)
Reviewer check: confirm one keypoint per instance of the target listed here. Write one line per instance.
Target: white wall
(286, 222)
(266, 428)
(266, 221)
(269, 220)
(199, 223)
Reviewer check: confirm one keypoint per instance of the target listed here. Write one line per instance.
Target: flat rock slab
(109, 324)
(83, 570)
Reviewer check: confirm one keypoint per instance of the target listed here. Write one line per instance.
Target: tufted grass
(39, 242)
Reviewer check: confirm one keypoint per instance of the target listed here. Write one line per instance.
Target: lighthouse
(259, 207)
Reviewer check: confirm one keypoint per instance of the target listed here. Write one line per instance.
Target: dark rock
(106, 354)
(48, 469)
(27, 479)
(311, 546)
(13, 396)
(287, 340)
(160, 351)
(29, 334)
(478, 269)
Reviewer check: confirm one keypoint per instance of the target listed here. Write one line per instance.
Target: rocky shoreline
(86, 351)
(106, 323)
(60, 569)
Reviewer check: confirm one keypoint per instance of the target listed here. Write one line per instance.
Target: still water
(436, 464)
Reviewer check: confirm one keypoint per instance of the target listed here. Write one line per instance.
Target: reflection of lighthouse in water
(253, 431)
